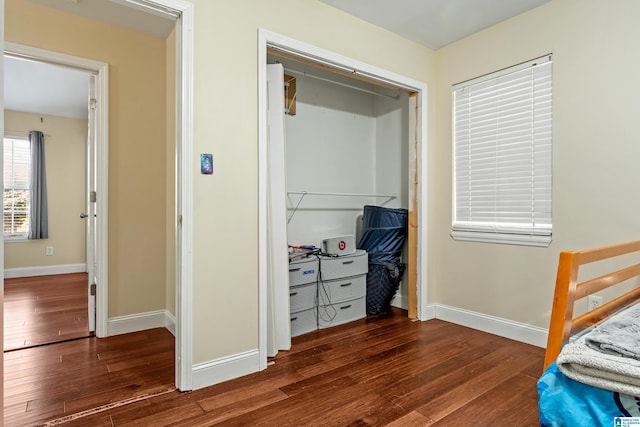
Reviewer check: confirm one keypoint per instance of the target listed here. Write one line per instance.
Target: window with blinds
(16, 196)
(502, 174)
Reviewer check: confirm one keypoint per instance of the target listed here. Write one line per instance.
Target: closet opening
(338, 141)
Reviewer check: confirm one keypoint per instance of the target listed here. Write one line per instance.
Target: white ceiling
(47, 89)
(434, 23)
(36, 87)
(156, 24)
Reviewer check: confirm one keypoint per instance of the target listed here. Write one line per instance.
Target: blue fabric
(384, 231)
(566, 402)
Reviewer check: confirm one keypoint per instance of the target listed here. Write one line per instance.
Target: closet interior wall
(343, 140)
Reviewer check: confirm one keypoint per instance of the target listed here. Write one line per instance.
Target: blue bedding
(565, 402)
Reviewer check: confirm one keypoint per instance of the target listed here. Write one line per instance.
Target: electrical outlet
(48, 251)
(594, 301)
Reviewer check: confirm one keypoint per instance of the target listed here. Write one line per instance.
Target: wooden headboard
(568, 290)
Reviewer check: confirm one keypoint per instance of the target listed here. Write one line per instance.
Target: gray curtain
(39, 213)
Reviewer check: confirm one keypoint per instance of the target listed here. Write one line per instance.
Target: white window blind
(503, 156)
(16, 195)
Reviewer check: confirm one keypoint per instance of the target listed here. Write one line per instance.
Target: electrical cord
(327, 311)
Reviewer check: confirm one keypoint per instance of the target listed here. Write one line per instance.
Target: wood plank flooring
(52, 381)
(380, 371)
(44, 309)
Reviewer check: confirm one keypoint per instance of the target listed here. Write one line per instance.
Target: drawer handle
(293, 294)
(347, 262)
(344, 285)
(294, 318)
(345, 307)
(291, 270)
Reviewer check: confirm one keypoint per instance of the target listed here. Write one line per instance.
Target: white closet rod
(395, 97)
(311, 193)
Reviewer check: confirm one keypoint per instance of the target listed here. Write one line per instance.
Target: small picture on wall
(206, 164)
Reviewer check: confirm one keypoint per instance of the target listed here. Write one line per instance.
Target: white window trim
(16, 237)
(504, 238)
(524, 236)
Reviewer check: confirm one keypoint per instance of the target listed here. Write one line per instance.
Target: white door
(278, 316)
(90, 212)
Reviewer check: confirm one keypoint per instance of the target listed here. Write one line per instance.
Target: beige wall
(225, 113)
(225, 243)
(137, 142)
(65, 154)
(226, 116)
(170, 206)
(596, 151)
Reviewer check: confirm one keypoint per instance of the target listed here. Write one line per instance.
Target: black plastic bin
(384, 231)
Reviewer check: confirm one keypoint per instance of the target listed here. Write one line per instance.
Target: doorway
(301, 52)
(48, 289)
(92, 214)
(181, 15)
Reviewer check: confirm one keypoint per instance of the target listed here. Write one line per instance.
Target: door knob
(83, 215)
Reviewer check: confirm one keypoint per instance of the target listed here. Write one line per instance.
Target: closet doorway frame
(417, 192)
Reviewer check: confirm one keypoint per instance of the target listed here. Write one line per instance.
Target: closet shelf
(302, 195)
(315, 193)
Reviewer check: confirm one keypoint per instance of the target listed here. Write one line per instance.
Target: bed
(591, 376)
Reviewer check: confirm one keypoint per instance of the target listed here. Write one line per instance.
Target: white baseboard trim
(240, 364)
(170, 322)
(429, 312)
(224, 369)
(494, 325)
(12, 273)
(136, 322)
(141, 321)
(400, 301)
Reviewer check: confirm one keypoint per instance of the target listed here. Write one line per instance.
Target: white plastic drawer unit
(302, 297)
(304, 321)
(303, 271)
(342, 312)
(333, 291)
(345, 266)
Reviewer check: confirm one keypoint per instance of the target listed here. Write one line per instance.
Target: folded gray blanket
(582, 363)
(619, 335)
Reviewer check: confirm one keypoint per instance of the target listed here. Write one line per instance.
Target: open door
(278, 316)
(90, 214)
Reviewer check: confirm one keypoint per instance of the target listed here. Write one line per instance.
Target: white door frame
(278, 260)
(184, 181)
(90, 202)
(101, 70)
(270, 39)
(2, 235)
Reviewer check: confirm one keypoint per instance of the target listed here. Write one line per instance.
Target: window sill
(8, 239)
(503, 238)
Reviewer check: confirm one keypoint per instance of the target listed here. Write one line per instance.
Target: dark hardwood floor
(56, 380)
(375, 372)
(44, 309)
